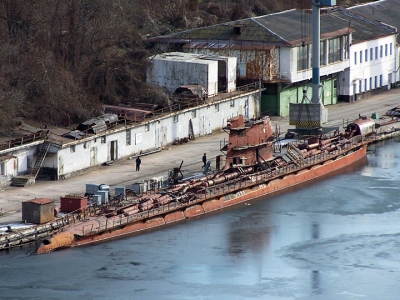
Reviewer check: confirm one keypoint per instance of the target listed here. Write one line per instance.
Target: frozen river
(337, 238)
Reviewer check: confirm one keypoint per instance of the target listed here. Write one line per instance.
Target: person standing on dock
(204, 160)
(138, 162)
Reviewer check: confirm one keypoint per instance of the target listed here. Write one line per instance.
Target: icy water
(338, 238)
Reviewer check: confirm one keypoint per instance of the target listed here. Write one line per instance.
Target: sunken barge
(251, 171)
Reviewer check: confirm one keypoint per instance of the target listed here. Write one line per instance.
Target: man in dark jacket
(204, 160)
(138, 162)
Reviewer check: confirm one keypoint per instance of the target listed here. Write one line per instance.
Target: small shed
(71, 203)
(38, 211)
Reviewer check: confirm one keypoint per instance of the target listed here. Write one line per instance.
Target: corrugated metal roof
(237, 46)
(394, 112)
(76, 134)
(291, 27)
(385, 11)
(98, 124)
(250, 30)
(130, 113)
(296, 25)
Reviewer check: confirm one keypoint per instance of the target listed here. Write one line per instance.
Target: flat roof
(41, 201)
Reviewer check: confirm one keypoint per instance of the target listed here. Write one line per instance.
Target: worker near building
(204, 160)
(138, 162)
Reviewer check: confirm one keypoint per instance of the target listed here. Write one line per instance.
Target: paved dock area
(122, 172)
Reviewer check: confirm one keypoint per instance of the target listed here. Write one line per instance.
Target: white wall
(169, 73)
(230, 70)
(367, 73)
(231, 73)
(289, 60)
(250, 63)
(19, 164)
(155, 133)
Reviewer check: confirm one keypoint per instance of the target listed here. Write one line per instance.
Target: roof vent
(237, 29)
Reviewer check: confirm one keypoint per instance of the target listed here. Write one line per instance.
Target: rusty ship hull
(237, 183)
(248, 192)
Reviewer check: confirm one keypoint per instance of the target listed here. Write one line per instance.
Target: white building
(372, 67)
(387, 13)
(174, 69)
(72, 152)
(277, 49)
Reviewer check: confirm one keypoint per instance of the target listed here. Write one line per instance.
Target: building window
(380, 80)
(386, 50)
(360, 86)
(376, 52)
(366, 55)
(355, 58)
(334, 50)
(376, 81)
(391, 48)
(72, 149)
(176, 118)
(371, 54)
(232, 103)
(193, 113)
(365, 85)
(302, 58)
(361, 57)
(381, 52)
(103, 139)
(345, 47)
(128, 137)
(370, 83)
(216, 106)
(322, 53)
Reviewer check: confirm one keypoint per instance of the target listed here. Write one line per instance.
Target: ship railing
(73, 217)
(263, 176)
(223, 188)
(116, 221)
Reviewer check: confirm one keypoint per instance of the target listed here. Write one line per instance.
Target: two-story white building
(276, 49)
(386, 52)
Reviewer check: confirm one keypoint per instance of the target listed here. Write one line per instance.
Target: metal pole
(315, 51)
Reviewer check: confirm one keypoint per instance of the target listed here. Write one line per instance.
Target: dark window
(302, 58)
(322, 54)
(334, 50)
(128, 137)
